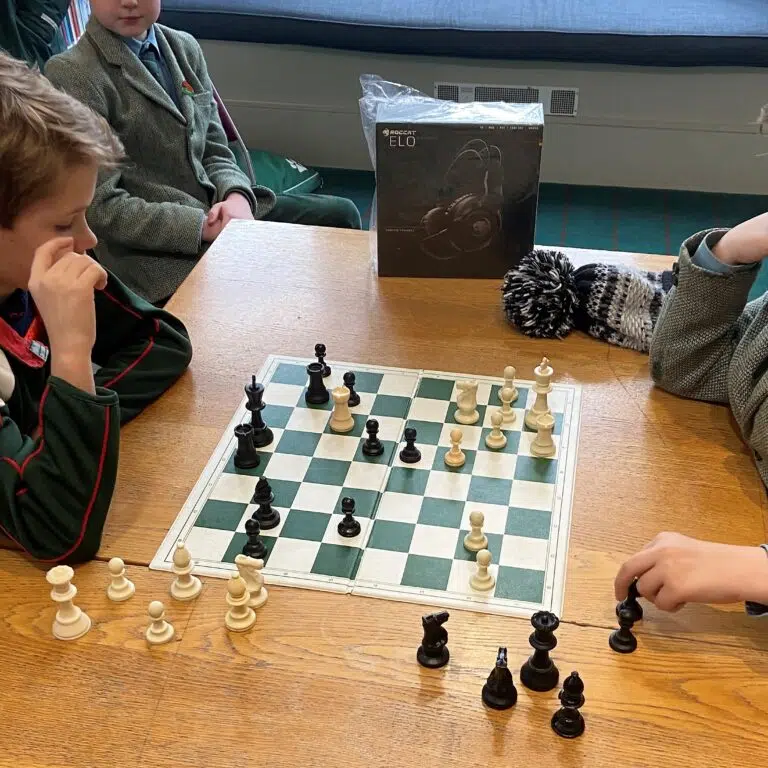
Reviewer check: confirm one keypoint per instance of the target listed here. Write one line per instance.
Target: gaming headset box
(457, 187)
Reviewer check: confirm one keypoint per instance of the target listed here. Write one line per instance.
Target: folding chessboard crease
(413, 517)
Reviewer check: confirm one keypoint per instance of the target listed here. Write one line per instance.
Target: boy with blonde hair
(61, 315)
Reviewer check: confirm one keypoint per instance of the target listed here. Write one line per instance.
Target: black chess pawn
(631, 603)
(349, 383)
(622, 640)
(262, 434)
(410, 454)
(539, 672)
(433, 651)
(246, 456)
(348, 527)
(316, 392)
(255, 546)
(372, 446)
(320, 355)
(568, 722)
(266, 514)
(499, 691)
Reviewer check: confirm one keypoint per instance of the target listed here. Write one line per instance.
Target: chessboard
(413, 517)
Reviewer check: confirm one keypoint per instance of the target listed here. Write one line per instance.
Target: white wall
(638, 127)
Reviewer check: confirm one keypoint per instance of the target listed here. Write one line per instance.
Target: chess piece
(466, 400)
(348, 527)
(482, 580)
(266, 514)
(455, 456)
(372, 446)
(622, 640)
(568, 722)
(499, 691)
(509, 382)
(476, 540)
(246, 456)
(543, 445)
(320, 355)
(542, 387)
(410, 454)
(496, 439)
(631, 603)
(539, 672)
(185, 586)
(255, 546)
(70, 622)
(341, 418)
(316, 392)
(159, 630)
(508, 416)
(251, 570)
(120, 587)
(349, 383)
(433, 651)
(262, 434)
(240, 616)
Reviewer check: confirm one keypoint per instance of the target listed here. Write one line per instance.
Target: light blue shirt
(137, 46)
(705, 259)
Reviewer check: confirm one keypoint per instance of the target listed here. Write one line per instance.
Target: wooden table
(328, 679)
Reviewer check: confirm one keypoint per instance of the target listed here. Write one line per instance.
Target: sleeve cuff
(758, 609)
(705, 259)
(246, 192)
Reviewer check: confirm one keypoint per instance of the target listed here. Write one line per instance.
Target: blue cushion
(645, 32)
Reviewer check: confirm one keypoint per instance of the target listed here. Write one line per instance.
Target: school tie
(151, 60)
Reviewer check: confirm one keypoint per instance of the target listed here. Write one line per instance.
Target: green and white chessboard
(414, 516)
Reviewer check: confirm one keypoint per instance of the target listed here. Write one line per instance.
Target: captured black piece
(433, 651)
(499, 692)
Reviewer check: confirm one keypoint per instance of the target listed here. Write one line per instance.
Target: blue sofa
(640, 32)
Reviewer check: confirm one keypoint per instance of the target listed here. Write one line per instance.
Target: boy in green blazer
(61, 313)
(181, 186)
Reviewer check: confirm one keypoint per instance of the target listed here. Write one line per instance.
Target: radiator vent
(556, 101)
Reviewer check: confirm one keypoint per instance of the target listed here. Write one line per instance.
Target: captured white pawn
(476, 540)
(455, 456)
(341, 418)
(70, 622)
(509, 381)
(543, 444)
(240, 616)
(159, 631)
(120, 587)
(496, 439)
(466, 400)
(250, 569)
(507, 414)
(482, 580)
(185, 586)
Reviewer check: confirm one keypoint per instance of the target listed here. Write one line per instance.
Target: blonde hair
(43, 131)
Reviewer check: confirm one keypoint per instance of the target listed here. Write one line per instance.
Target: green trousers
(317, 210)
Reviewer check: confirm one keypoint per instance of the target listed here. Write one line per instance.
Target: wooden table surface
(327, 679)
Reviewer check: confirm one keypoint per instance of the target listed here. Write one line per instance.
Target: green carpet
(616, 219)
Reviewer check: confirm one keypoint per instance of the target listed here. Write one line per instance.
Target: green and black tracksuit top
(29, 29)
(59, 445)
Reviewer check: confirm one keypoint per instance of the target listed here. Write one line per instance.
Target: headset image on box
(471, 221)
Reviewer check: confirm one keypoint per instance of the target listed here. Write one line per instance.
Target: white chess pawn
(250, 569)
(496, 439)
(185, 586)
(507, 414)
(120, 587)
(341, 418)
(509, 382)
(476, 540)
(240, 616)
(543, 444)
(542, 387)
(482, 580)
(159, 630)
(70, 622)
(466, 400)
(455, 456)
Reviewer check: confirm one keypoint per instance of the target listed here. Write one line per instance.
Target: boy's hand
(212, 227)
(674, 570)
(746, 243)
(235, 206)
